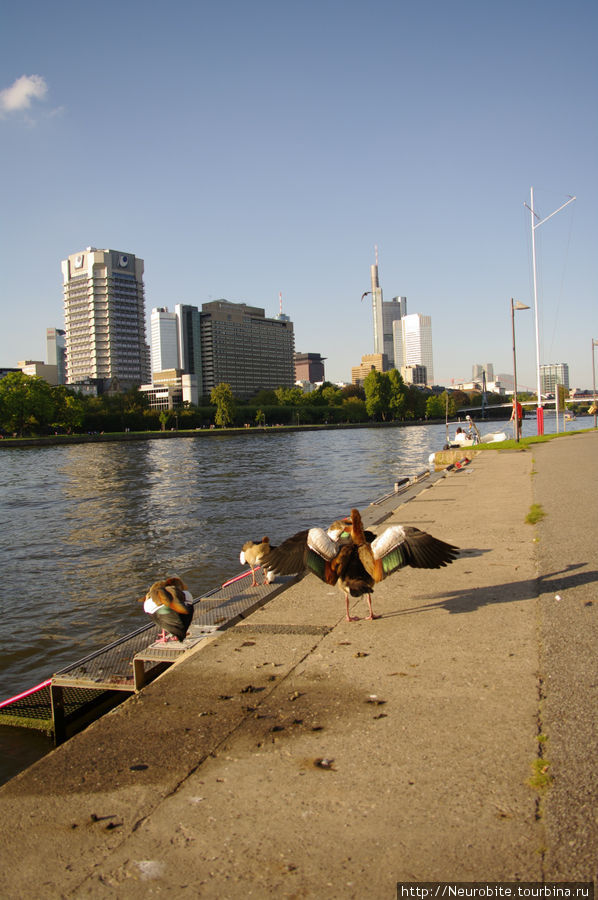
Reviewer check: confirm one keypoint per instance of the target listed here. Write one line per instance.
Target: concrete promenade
(299, 755)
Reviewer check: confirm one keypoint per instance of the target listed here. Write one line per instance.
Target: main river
(85, 529)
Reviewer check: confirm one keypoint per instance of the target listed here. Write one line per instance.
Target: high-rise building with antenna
(377, 308)
(384, 315)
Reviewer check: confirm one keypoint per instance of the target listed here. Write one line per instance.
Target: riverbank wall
(301, 755)
(124, 436)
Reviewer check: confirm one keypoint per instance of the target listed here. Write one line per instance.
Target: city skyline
(231, 148)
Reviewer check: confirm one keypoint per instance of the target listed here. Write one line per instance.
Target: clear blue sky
(246, 149)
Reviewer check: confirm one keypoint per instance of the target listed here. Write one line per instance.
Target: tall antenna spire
(281, 316)
(376, 249)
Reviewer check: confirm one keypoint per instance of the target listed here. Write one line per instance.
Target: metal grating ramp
(98, 680)
(111, 668)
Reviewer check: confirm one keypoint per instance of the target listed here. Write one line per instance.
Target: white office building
(412, 339)
(104, 313)
(164, 340)
(553, 374)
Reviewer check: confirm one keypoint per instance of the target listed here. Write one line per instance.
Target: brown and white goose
(170, 605)
(252, 554)
(355, 559)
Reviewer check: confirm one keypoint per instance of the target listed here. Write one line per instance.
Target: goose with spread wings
(356, 560)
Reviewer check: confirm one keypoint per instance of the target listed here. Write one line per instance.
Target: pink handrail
(237, 578)
(32, 690)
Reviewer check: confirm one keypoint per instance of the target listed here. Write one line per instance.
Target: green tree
(377, 395)
(435, 407)
(135, 401)
(332, 394)
(289, 396)
(264, 398)
(460, 398)
(355, 409)
(164, 418)
(353, 390)
(26, 403)
(69, 411)
(416, 402)
(398, 394)
(222, 397)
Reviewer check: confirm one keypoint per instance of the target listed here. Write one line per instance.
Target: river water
(85, 529)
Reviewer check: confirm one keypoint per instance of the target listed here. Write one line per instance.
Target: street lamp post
(534, 215)
(515, 304)
(594, 344)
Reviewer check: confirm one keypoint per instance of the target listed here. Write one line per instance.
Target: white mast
(539, 411)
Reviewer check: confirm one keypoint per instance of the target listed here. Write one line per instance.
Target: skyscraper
(104, 314)
(413, 343)
(164, 340)
(56, 351)
(479, 369)
(309, 367)
(553, 374)
(377, 308)
(188, 318)
(384, 315)
(243, 348)
(392, 312)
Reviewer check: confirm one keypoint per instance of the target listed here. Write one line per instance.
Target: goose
(170, 605)
(251, 555)
(356, 560)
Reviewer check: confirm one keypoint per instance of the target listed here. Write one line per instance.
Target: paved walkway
(298, 755)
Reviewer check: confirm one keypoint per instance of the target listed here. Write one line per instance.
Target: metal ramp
(85, 689)
(82, 691)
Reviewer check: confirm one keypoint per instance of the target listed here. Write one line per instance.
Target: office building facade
(377, 301)
(377, 361)
(171, 389)
(413, 343)
(553, 374)
(480, 369)
(416, 375)
(189, 332)
(243, 348)
(104, 312)
(56, 351)
(309, 367)
(392, 312)
(164, 340)
(37, 368)
(384, 315)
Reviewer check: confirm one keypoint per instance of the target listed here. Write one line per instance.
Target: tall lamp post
(594, 344)
(515, 304)
(540, 410)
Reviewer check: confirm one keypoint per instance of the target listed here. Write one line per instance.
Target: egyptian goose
(170, 605)
(251, 555)
(357, 561)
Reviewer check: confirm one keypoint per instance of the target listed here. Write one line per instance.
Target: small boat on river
(465, 438)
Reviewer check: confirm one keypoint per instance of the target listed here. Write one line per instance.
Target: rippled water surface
(85, 529)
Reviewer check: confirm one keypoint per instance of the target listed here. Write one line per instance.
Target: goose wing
(404, 545)
(312, 549)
